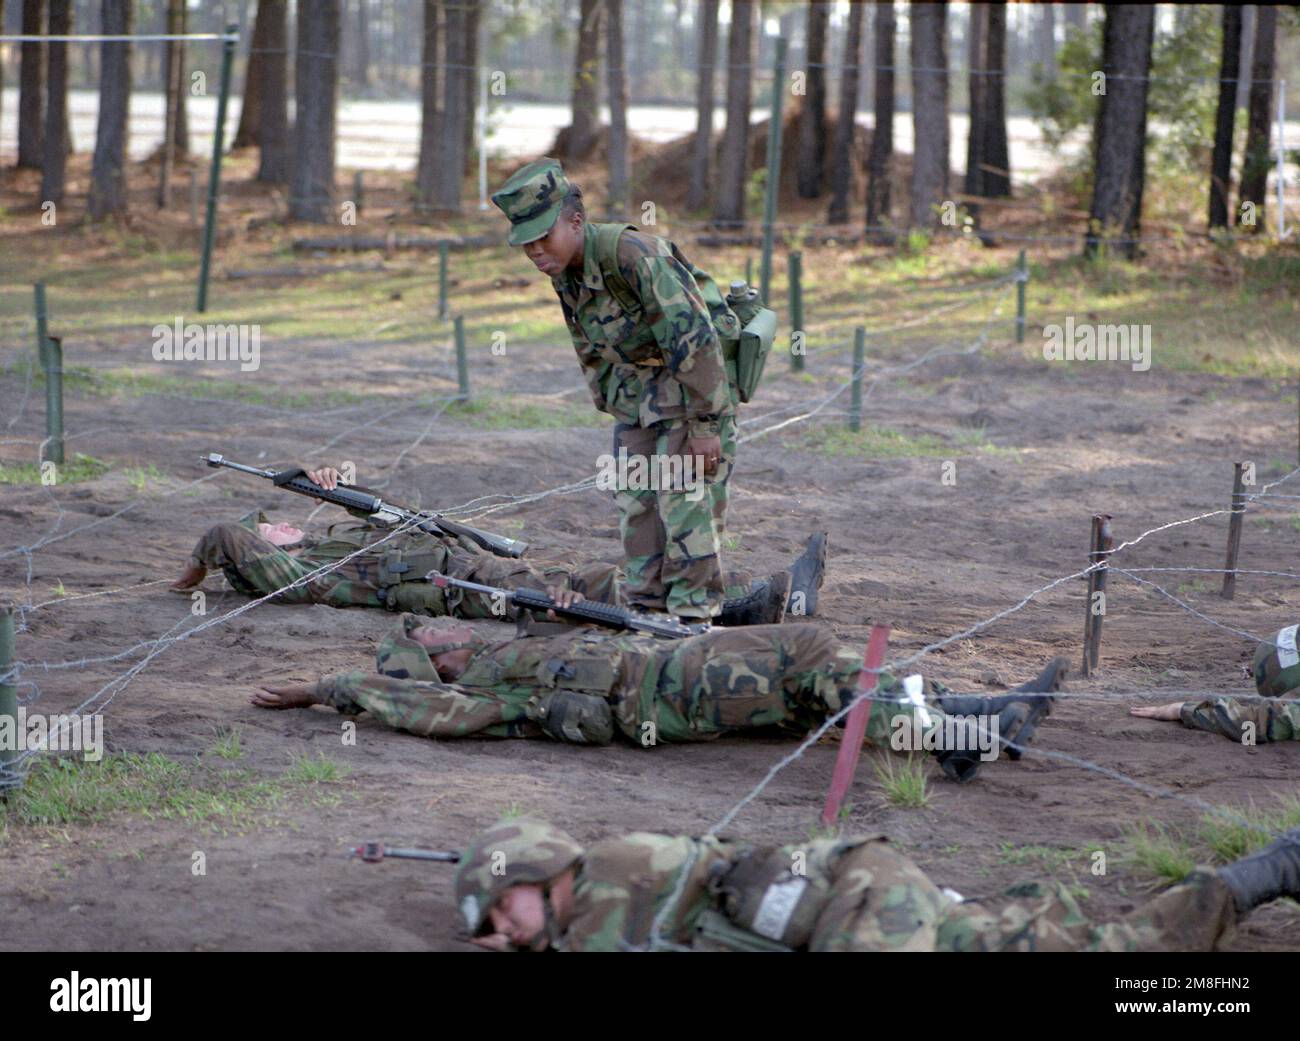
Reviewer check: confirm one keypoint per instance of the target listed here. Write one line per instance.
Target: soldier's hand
(708, 447)
(1170, 713)
(326, 476)
(563, 598)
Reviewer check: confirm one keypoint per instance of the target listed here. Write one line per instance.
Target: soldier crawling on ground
(385, 570)
(437, 678)
(1276, 671)
(526, 885)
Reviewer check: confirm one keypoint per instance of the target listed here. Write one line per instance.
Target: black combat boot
(1271, 873)
(1018, 717)
(806, 575)
(764, 604)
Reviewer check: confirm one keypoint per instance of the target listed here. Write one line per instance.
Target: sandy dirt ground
(929, 558)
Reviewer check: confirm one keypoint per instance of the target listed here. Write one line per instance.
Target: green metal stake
(773, 166)
(749, 271)
(462, 363)
(8, 691)
(859, 363)
(53, 400)
(1022, 277)
(42, 331)
(442, 278)
(214, 177)
(358, 190)
(796, 310)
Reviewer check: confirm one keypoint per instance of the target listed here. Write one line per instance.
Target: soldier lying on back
(258, 558)
(437, 678)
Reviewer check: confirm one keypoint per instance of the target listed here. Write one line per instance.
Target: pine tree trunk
(108, 187)
(249, 132)
(1120, 151)
(1076, 16)
(273, 162)
(1254, 171)
(812, 116)
(57, 142)
(929, 113)
(702, 148)
(361, 74)
(729, 201)
(841, 172)
(995, 150)
(615, 58)
(181, 131)
(451, 164)
(172, 98)
(316, 83)
(31, 88)
(977, 36)
(430, 120)
(584, 121)
(1225, 119)
(1045, 39)
(470, 72)
(880, 159)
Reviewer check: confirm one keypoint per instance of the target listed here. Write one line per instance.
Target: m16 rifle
(354, 497)
(591, 611)
(374, 852)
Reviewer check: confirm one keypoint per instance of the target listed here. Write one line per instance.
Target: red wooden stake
(846, 763)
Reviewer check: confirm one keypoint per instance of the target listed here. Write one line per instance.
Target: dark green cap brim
(534, 228)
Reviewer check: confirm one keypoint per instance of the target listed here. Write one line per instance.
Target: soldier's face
(519, 916)
(282, 534)
(558, 248)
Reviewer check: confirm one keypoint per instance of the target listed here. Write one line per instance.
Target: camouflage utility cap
(512, 852)
(531, 199)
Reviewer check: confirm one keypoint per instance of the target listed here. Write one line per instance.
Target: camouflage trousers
(1245, 721)
(672, 536)
(256, 567)
(881, 900)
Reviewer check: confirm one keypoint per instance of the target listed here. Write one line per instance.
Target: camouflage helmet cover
(531, 198)
(511, 852)
(1277, 664)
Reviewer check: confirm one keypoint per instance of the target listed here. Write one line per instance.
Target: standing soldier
(658, 346)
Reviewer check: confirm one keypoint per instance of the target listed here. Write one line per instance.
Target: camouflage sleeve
(683, 328)
(1245, 721)
(427, 708)
(595, 369)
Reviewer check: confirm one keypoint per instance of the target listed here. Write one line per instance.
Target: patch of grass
(1230, 838)
(81, 468)
(511, 812)
(876, 442)
(905, 786)
(1196, 585)
(513, 412)
(228, 744)
(141, 477)
(1161, 852)
(731, 543)
(65, 791)
(1050, 857)
(237, 386)
(59, 590)
(316, 769)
